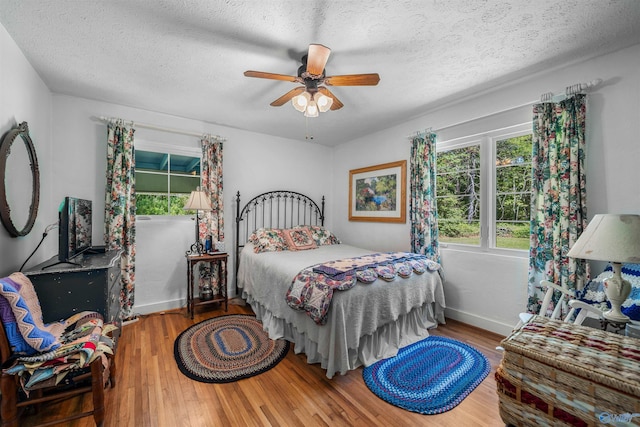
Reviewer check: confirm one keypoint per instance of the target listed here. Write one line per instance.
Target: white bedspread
(366, 323)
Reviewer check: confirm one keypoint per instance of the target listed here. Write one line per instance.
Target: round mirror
(18, 166)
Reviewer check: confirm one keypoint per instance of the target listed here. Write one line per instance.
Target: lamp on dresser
(198, 201)
(614, 238)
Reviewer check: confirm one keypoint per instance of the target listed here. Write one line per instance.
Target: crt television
(74, 230)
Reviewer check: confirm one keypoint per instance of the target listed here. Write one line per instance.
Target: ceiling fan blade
(287, 96)
(353, 80)
(336, 102)
(317, 59)
(272, 76)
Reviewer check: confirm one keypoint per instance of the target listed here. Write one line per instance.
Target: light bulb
(300, 102)
(324, 102)
(312, 110)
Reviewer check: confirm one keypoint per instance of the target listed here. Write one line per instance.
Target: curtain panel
(212, 223)
(422, 209)
(120, 208)
(559, 202)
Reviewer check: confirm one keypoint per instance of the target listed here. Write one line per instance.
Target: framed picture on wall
(379, 193)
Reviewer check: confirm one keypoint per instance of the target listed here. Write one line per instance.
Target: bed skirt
(383, 343)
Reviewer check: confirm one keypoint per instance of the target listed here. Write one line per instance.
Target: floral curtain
(120, 208)
(559, 205)
(212, 223)
(423, 212)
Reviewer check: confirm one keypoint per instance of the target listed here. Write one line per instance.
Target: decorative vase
(206, 293)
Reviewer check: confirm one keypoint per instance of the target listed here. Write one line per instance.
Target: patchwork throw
(227, 348)
(312, 289)
(429, 377)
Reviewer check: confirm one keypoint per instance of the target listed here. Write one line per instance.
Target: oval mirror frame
(21, 130)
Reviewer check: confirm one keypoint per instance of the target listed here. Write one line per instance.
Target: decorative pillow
(299, 239)
(593, 293)
(22, 317)
(268, 240)
(321, 235)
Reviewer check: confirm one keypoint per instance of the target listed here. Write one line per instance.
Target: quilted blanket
(85, 339)
(312, 289)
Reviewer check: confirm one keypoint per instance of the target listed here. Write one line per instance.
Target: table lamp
(614, 238)
(198, 201)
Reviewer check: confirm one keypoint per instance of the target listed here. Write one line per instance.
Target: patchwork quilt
(312, 289)
(46, 354)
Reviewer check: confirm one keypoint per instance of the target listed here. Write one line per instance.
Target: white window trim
(487, 185)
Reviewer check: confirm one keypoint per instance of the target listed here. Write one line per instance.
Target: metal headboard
(274, 209)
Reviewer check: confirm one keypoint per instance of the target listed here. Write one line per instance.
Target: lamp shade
(610, 237)
(300, 101)
(198, 200)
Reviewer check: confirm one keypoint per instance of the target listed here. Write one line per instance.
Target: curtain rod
(163, 129)
(545, 97)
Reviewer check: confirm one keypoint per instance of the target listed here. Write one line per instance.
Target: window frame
(159, 147)
(487, 142)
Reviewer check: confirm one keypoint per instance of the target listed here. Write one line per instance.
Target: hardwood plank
(151, 391)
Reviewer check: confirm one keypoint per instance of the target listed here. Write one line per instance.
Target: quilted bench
(555, 373)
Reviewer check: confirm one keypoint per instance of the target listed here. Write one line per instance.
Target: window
(483, 189)
(164, 181)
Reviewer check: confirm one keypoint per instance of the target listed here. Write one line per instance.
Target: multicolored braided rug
(227, 348)
(429, 377)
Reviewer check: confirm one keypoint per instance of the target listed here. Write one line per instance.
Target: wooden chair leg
(8, 404)
(112, 370)
(97, 391)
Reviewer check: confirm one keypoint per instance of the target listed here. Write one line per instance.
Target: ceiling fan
(313, 97)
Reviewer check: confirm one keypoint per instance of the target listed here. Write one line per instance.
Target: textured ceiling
(187, 58)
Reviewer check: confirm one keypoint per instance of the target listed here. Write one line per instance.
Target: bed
(364, 324)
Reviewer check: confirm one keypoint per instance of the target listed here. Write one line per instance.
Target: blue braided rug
(429, 377)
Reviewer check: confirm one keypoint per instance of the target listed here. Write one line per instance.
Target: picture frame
(379, 193)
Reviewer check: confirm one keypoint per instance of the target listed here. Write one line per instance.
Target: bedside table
(215, 258)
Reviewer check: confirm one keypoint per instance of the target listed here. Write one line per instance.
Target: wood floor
(151, 391)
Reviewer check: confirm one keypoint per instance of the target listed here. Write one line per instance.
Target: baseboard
(160, 306)
(129, 321)
(480, 322)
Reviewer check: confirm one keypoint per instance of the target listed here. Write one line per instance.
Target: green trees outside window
(503, 165)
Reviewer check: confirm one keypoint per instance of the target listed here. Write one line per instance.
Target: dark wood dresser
(65, 289)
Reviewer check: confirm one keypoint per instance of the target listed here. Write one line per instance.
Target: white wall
(24, 97)
(490, 290)
(253, 163)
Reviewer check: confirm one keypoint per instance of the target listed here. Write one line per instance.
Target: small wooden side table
(217, 258)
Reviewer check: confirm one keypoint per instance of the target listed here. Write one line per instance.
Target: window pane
(462, 232)
(151, 182)
(511, 179)
(150, 161)
(177, 205)
(184, 184)
(150, 204)
(513, 192)
(513, 207)
(458, 195)
(512, 235)
(513, 151)
(185, 165)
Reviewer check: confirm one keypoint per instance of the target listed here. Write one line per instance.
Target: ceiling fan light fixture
(301, 101)
(312, 110)
(323, 102)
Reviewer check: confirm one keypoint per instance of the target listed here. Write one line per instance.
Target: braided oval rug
(429, 377)
(227, 348)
